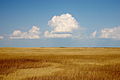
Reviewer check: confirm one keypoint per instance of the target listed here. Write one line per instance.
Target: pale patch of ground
(26, 73)
(91, 63)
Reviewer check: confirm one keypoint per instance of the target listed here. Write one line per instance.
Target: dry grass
(60, 63)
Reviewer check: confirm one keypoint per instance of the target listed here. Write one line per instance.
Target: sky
(59, 23)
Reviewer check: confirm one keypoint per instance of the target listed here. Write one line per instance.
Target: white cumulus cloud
(55, 35)
(1, 37)
(31, 34)
(112, 33)
(62, 26)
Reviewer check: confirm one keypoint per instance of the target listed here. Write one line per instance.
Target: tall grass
(74, 66)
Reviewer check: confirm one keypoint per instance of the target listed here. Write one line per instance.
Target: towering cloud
(31, 34)
(62, 26)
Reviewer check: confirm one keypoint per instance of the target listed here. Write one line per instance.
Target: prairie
(60, 63)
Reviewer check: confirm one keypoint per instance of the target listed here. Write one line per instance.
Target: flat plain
(60, 63)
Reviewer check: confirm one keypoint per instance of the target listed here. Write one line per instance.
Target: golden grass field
(59, 63)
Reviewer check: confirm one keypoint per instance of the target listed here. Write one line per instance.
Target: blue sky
(98, 23)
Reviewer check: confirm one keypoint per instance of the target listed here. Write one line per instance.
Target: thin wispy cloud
(107, 33)
(110, 33)
(62, 26)
(33, 33)
(1, 37)
(93, 35)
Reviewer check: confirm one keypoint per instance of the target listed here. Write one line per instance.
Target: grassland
(59, 63)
